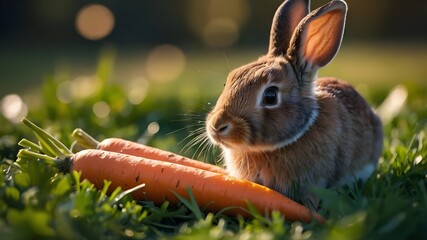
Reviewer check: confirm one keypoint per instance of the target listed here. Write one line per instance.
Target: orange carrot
(212, 190)
(140, 150)
(162, 180)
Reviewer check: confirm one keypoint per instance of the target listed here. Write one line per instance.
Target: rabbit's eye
(270, 96)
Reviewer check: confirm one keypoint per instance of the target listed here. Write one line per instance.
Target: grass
(39, 202)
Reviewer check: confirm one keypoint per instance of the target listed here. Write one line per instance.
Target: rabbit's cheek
(236, 137)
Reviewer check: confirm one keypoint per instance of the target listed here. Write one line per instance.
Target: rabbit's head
(270, 103)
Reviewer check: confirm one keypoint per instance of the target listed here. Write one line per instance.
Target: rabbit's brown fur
(318, 132)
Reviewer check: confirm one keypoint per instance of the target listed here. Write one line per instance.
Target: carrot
(163, 180)
(212, 190)
(137, 149)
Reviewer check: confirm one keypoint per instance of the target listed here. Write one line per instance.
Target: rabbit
(277, 124)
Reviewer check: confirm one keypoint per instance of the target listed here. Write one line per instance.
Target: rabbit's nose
(224, 129)
(220, 126)
(220, 131)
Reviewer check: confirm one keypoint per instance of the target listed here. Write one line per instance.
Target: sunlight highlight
(13, 108)
(165, 63)
(94, 21)
(418, 159)
(393, 104)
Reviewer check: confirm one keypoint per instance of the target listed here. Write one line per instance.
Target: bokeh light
(84, 86)
(101, 109)
(221, 32)
(80, 88)
(165, 63)
(94, 21)
(64, 93)
(137, 90)
(218, 22)
(153, 128)
(13, 108)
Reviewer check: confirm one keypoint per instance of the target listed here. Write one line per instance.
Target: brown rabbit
(277, 124)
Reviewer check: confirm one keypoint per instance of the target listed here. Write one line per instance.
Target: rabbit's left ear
(285, 20)
(318, 37)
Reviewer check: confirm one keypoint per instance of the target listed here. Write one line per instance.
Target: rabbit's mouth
(237, 142)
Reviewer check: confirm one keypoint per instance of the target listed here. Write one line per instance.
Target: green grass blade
(76, 177)
(191, 203)
(124, 193)
(254, 211)
(224, 210)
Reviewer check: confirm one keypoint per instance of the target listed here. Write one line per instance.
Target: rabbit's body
(278, 125)
(326, 153)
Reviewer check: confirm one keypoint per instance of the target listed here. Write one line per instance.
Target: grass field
(38, 202)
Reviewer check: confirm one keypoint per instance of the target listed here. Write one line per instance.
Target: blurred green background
(148, 71)
(115, 67)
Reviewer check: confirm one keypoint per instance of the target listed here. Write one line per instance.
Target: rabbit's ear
(285, 20)
(318, 37)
